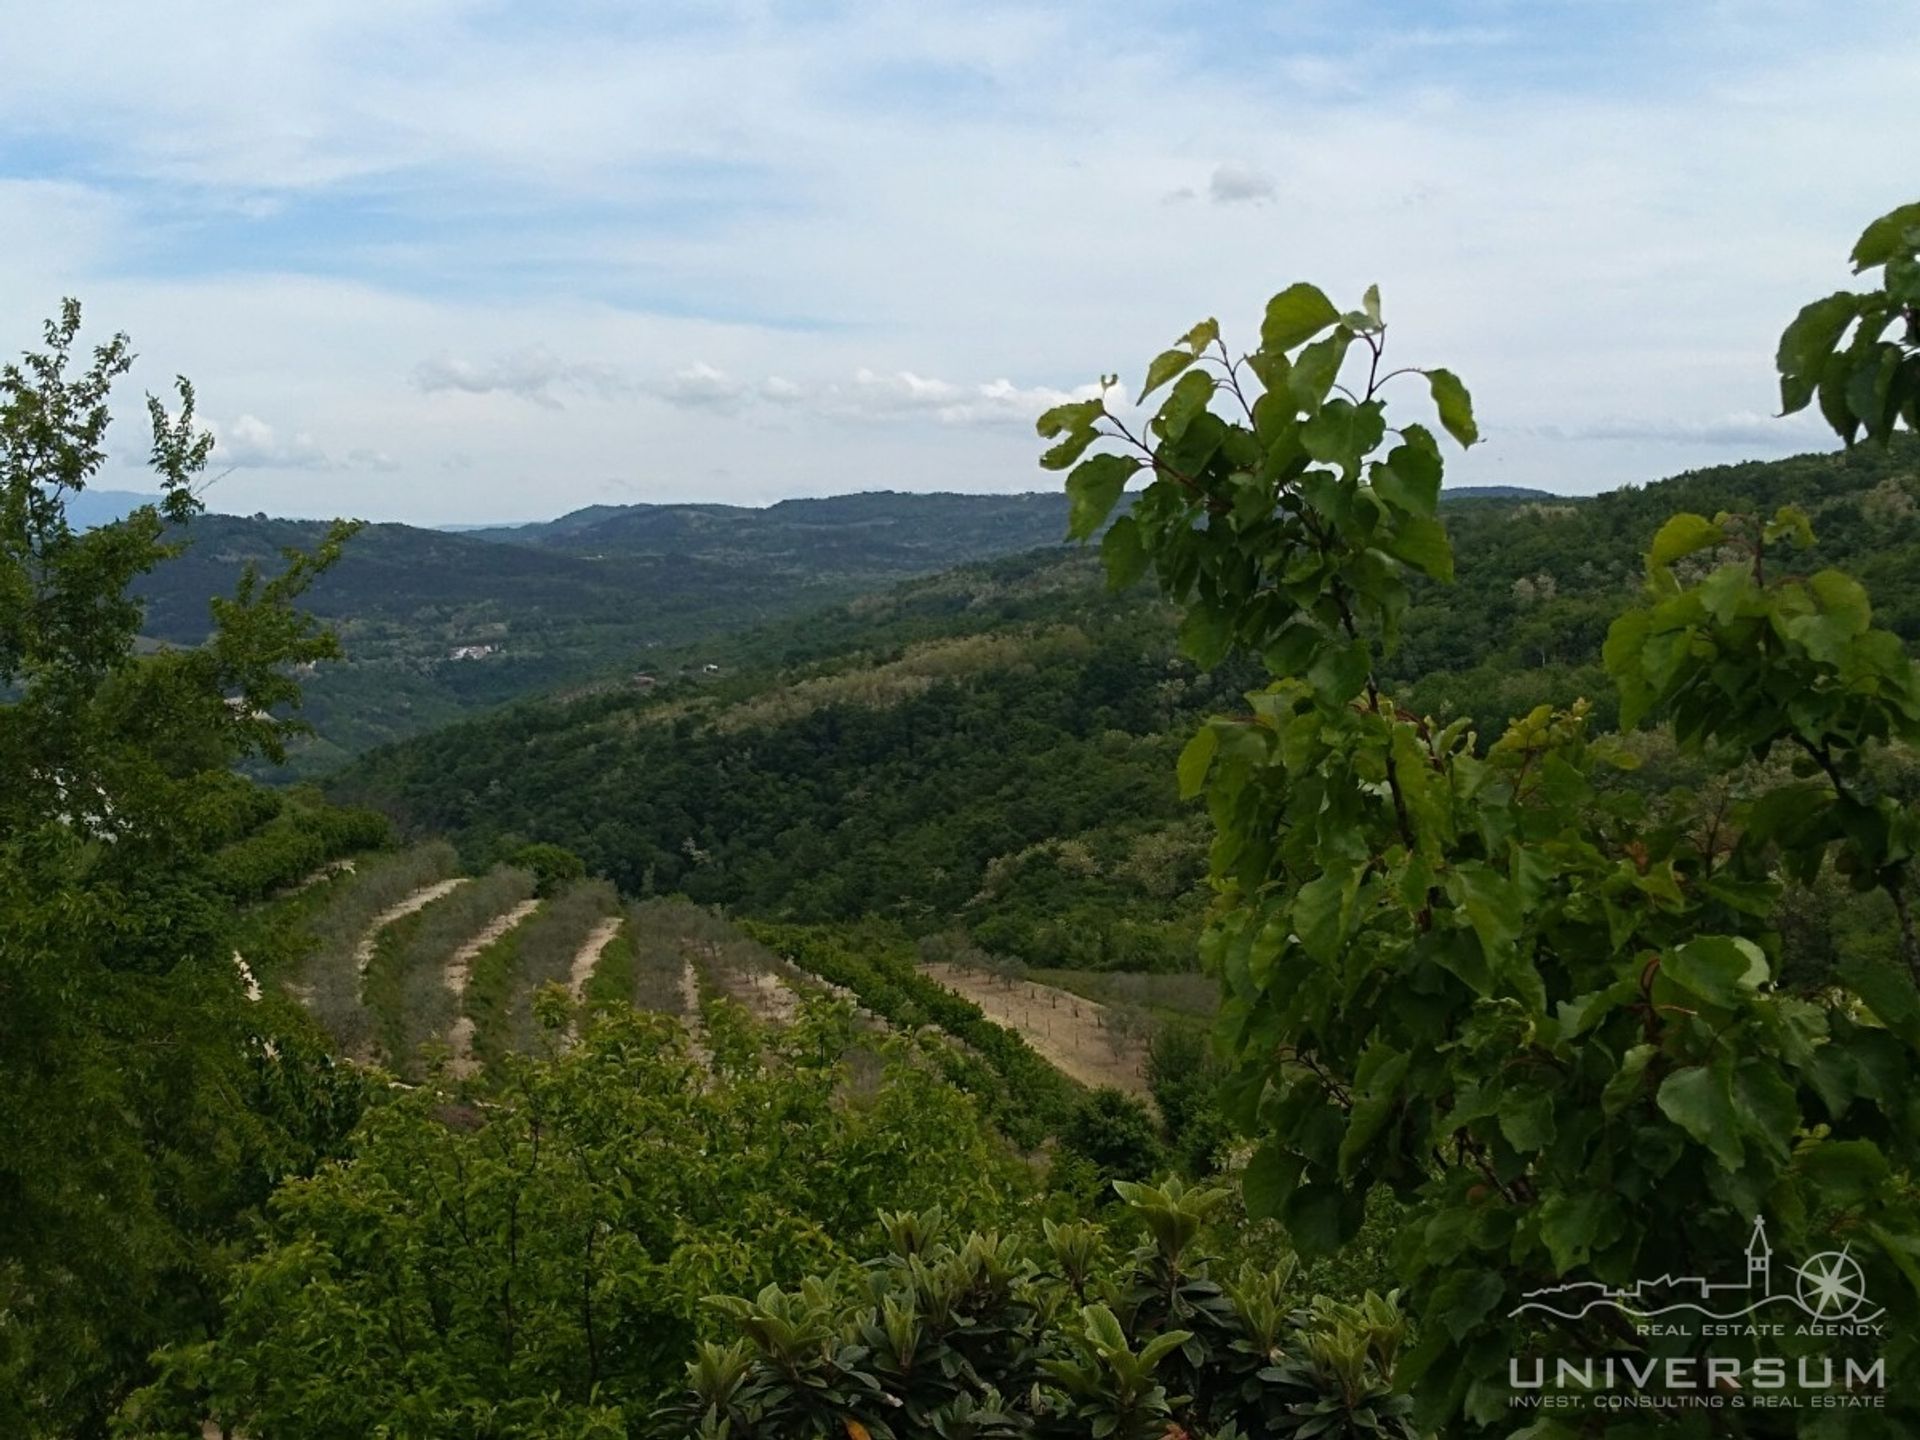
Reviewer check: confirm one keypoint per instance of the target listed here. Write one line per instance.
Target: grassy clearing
(612, 981)
(405, 985)
(504, 976)
(342, 910)
(1179, 999)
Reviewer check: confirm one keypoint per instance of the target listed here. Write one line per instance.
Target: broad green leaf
(1202, 335)
(1886, 237)
(1269, 1180)
(1807, 342)
(1295, 315)
(1339, 672)
(1093, 489)
(1410, 479)
(1842, 613)
(1491, 905)
(1166, 365)
(1343, 433)
(1074, 415)
(1323, 910)
(1683, 534)
(1847, 1170)
(1719, 969)
(1068, 450)
(1765, 1102)
(1526, 1119)
(1423, 544)
(1196, 757)
(1206, 635)
(1698, 1100)
(1465, 1298)
(1370, 302)
(1123, 553)
(1187, 400)
(1450, 398)
(1573, 1222)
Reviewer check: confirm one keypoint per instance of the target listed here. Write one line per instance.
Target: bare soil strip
(1076, 1035)
(690, 1015)
(588, 955)
(459, 965)
(419, 900)
(325, 872)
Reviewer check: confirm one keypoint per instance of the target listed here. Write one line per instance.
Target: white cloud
(249, 443)
(534, 373)
(702, 387)
(1237, 184)
(294, 225)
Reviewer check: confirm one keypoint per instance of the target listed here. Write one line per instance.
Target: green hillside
(437, 624)
(993, 749)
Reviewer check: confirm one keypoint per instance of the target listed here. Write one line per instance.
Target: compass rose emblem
(1830, 1286)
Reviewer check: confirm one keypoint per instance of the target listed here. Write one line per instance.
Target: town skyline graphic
(1827, 1287)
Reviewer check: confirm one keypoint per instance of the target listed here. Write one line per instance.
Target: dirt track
(1077, 1035)
(454, 976)
(419, 900)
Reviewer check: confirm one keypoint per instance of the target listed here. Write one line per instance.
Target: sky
(446, 261)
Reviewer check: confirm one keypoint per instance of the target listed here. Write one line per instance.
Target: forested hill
(439, 623)
(993, 747)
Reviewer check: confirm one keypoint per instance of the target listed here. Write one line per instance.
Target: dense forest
(436, 624)
(993, 748)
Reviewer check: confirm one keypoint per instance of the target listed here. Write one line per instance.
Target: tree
(1493, 978)
(145, 1103)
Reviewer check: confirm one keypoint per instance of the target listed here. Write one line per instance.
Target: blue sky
(445, 261)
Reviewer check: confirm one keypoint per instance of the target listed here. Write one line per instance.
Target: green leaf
(1842, 612)
(1123, 553)
(1188, 399)
(1323, 910)
(1683, 534)
(1886, 237)
(1464, 1299)
(1526, 1119)
(1063, 454)
(1491, 905)
(1698, 1100)
(1849, 1171)
(1206, 635)
(1343, 433)
(1570, 1224)
(1269, 1181)
(1719, 969)
(1074, 415)
(1295, 315)
(1423, 544)
(1093, 489)
(1196, 757)
(1450, 398)
(1339, 672)
(1201, 335)
(1370, 302)
(1807, 342)
(1166, 365)
(1410, 479)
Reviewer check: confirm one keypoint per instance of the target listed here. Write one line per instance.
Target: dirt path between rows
(588, 956)
(419, 900)
(690, 1015)
(454, 976)
(1076, 1035)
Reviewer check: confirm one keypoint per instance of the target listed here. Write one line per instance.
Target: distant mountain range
(440, 622)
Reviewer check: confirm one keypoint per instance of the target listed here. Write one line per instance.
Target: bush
(977, 1335)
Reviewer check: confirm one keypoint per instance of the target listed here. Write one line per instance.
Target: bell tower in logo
(1760, 1259)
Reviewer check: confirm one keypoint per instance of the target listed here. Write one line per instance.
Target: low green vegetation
(1026, 1097)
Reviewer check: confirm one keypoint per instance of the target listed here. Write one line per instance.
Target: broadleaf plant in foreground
(1540, 1007)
